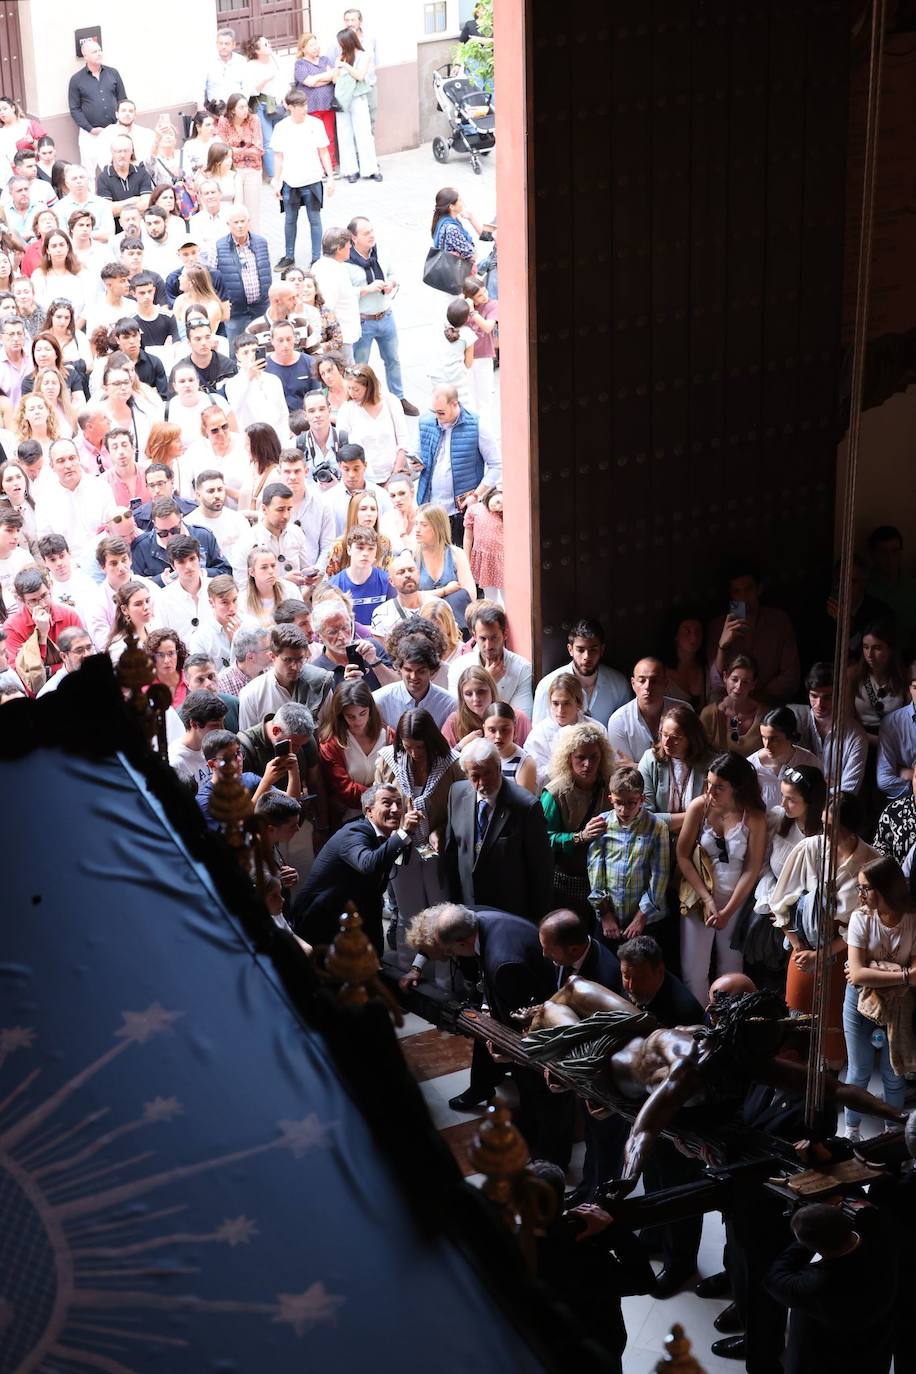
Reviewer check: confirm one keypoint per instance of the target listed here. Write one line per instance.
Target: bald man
(633, 728)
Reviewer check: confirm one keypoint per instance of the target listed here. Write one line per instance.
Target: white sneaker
(854, 1135)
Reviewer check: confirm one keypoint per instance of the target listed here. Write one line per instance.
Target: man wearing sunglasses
(150, 555)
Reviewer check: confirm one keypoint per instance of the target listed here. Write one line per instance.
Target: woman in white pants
(728, 824)
(355, 144)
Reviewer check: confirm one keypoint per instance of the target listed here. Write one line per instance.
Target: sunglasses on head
(792, 775)
(124, 515)
(215, 429)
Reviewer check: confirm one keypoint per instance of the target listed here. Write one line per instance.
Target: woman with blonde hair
(443, 567)
(57, 395)
(573, 800)
(197, 298)
(440, 613)
(476, 691)
(565, 706)
(34, 419)
(264, 589)
(363, 510)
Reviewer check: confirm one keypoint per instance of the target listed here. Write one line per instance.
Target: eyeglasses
(862, 888)
(166, 653)
(722, 847)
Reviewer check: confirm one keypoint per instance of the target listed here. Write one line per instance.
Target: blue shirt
(371, 593)
(896, 750)
(250, 781)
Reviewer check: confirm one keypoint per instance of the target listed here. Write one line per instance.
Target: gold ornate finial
(352, 962)
(677, 1358)
(499, 1152)
(147, 699)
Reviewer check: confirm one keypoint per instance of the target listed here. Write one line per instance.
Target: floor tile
(413, 1025)
(459, 1140)
(433, 1053)
(436, 1093)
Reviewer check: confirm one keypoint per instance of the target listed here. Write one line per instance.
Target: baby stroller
(469, 111)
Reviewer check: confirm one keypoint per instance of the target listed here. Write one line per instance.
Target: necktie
(483, 816)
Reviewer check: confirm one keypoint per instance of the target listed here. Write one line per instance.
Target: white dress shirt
(628, 732)
(259, 399)
(610, 691)
(339, 500)
(394, 699)
(315, 519)
(290, 547)
(101, 611)
(211, 639)
(179, 610)
(850, 765)
(79, 514)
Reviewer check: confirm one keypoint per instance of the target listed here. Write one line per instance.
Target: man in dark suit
(568, 945)
(515, 974)
(496, 853)
(355, 866)
(649, 986)
(839, 1281)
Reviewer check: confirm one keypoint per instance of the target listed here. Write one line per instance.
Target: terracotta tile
(459, 1139)
(433, 1053)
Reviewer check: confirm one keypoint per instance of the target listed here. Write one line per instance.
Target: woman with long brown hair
(264, 456)
(134, 612)
(728, 825)
(60, 273)
(351, 734)
(241, 132)
(477, 691)
(878, 1010)
(355, 142)
(363, 510)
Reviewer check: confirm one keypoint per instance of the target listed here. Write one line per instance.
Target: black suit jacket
(675, 1005)
(600, 965)
(515, 972)
(514, 869)
(354, 866)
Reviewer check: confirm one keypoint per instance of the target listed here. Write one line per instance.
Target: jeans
(294, 198)
(239, 320)
(267, 122)
(385, 334)
(861, 1055)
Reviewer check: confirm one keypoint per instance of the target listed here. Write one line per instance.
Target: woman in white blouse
(794, 906)
(374, 419)
(779, 732)
(799, 815)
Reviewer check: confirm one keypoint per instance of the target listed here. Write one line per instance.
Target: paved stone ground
(401, 209)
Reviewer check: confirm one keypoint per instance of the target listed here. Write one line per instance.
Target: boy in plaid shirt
(628, 865)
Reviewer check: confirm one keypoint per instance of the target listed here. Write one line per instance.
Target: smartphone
(738, 609)
(281, 748)
(354, 656)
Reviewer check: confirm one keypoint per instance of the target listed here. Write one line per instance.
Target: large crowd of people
(201, 454)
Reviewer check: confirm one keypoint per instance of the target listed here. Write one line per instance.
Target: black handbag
(444, 271)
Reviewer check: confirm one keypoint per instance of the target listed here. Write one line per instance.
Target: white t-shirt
(450, 369)
(299, 144)
(9, 567)
(869, 933)
(192, 759)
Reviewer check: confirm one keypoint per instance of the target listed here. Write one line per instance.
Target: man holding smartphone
(764, 632)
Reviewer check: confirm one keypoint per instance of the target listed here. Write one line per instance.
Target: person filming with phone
(763, 632)
(285, 744)
(348, 658)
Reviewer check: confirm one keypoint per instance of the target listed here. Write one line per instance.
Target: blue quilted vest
(465, 457)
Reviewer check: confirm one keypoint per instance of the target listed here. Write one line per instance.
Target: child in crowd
(456, 357)
(628, 865)
(483, 542)
(482, 322)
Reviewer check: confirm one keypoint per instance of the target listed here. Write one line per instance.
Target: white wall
(141, 41)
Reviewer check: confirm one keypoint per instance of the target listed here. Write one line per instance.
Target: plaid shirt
(232, 680)
(248, 267)
(628, 866)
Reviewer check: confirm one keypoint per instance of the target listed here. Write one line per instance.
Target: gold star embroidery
(302, 1310)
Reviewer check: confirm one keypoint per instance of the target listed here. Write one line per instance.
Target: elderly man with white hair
(497, 853)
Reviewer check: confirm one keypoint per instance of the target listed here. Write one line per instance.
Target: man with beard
(229, 527)
(403, 574)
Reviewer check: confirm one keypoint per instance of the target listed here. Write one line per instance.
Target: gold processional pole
(817, 1065)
